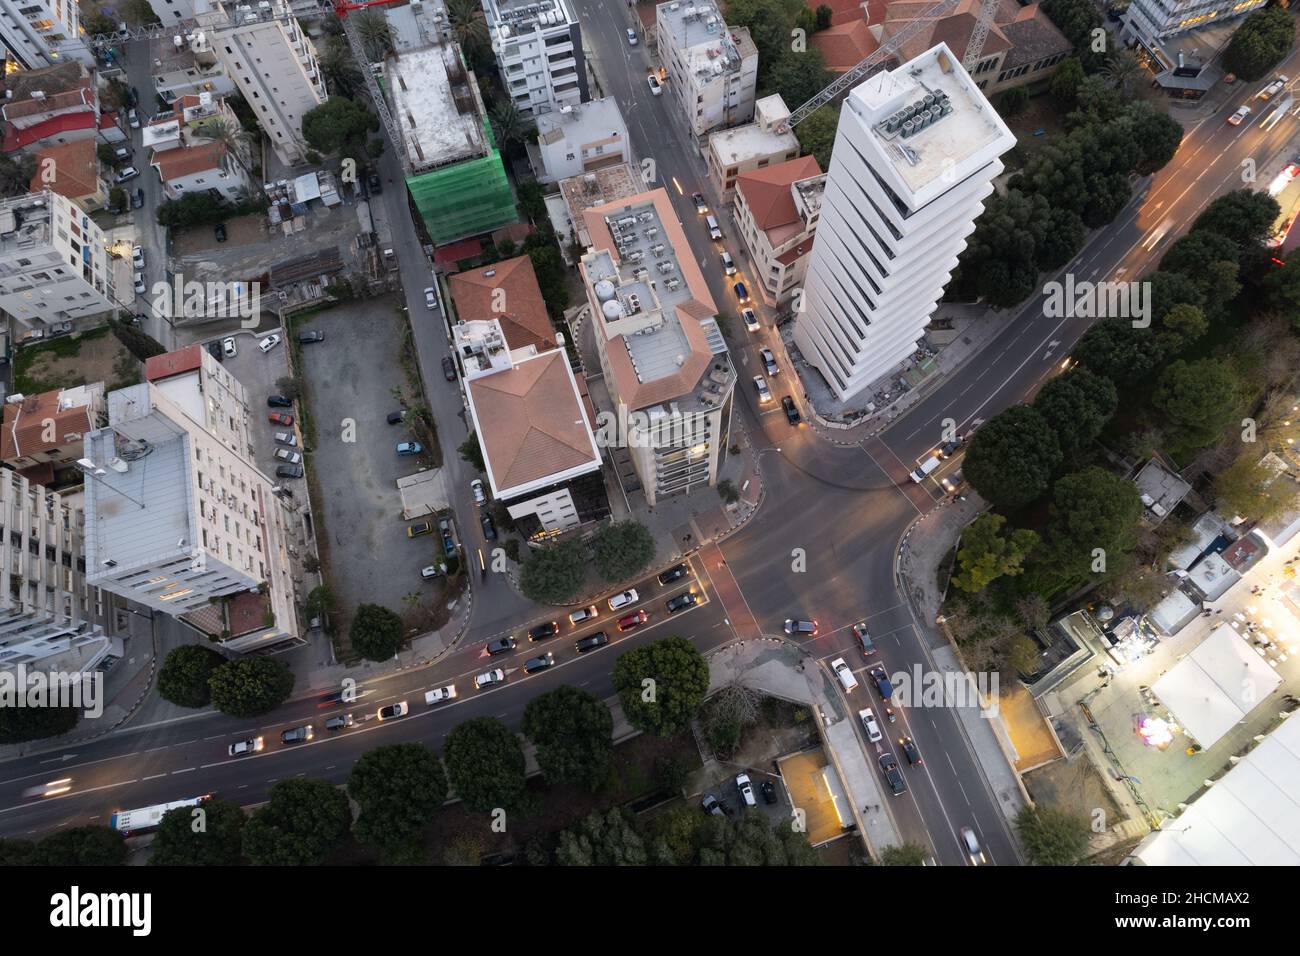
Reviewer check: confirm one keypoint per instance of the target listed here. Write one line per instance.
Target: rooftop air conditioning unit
(652, 232)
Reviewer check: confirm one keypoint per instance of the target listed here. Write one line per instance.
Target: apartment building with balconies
(538, 47)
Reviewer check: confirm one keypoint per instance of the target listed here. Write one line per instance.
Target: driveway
(258, 373)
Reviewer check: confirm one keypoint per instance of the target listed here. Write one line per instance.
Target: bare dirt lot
(95, 356)
(241, 231)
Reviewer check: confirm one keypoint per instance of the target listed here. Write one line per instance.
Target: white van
(927, 466)
(869, 724)
(715, 233)
(845, 675)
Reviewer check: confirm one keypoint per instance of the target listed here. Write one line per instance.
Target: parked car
(632, 621)
(228, 346)
(286, 438)
(280, 418)
(701, 205)
(881, 680)
(764, 393)
(949, 448)
(893, 776)
(133, 97)
(418, 529)
(746, 789)
(220, 231)
(137, 283)
(681, 602)
(656, 88)
(489, 529)
(311, 335)
(430, 298)
(214, 349)
(769, 361)
(440, 695)
(288, 471)
(297, 735)
(502, 645)
(137, 198)
(768, 789)
(582, 615)
(409, 448)
(675, 573)
(448, 368)
(476, 487)
(133, 118)
(375, 183)
(543, 632)
(279, 401)
(448, 543)
(623, 600)
(340, 722)
(395, 418)
(909, 751)
(245, 747)
(868, 718)
(432, 571)
(631, 37)
(489, 678)
(393, 711)
(539, 663)
(268, 343)
(751, 320)
(799, 628)
(126, 175)
(137, 256)
(285, 455)
(791, 410)
(121, 154)
(711, 805)
(591, 642)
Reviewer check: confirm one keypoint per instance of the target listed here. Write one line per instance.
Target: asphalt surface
(844, 508)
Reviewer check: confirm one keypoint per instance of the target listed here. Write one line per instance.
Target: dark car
(910, 752)
(544, 632)
(214, 349)
(539, 663)
(312, 335)
(864, 638)
(133, 97)
(701, 205)
(137, 199)
(219, 230)
(448, 542)
(489, 529)
(675, 573)
(883, 685)
(448, 368)
(591, 642)
(947, 449)
(711, 805)
(681, 602)
(297, 735)
(799, 628)
(279, 401)
(339, 722)
(634, 620)
(288, 471)
(742, 294)
(791, 410)
(893, 776)
(395, 418)
(768, 789)
(502, 645)
(375, 183)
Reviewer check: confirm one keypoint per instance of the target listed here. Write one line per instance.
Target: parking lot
(258, 372)
(351, 380)
(727, 794)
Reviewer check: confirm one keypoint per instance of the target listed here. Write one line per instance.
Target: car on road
(656, 88)
(742, 293)
(476, 486)
(419, 528)
(728, 263)
(845, 674)
(297, 735)
(764, 393)
(430, 298)
(544, 632)
(375, 183)
(432, 571)
(953, 483)
(863, 637)
(448, 543)
(409, 448)
(591, 642)
(219, 230)
(768, 789)
(137, 256)
(137, 283)
(245, 747)
(502, 645)
(623, 600)
(268, 343)
(701, 204)
(1273, 88)
(799, 628)
(675, 573)
(280, 418)
(710, 804)
(133, 118)
(395, 418)
(751, 320)
(489, 678)
(972, 845)
(769, 361)
(288, 471)
(290, 457)
(1237, 118)
(868, 718)
(539, 663)
(583, 615)
(127, 174)
(632, 621)
(489, 529)
(137, 199)
(286, 438)
(746, 789)
(228, 346)
(715, 231)
(279, 401)
(681, 602)
(881, 680)
(909, 751)
(121, 154)
(311, 335)
(440, 695)
(948, 448)
(631, 37)
(448, 368)
(393, 711)
(893, 776)
(340, 722)
(791, 410)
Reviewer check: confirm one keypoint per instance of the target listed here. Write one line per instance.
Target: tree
(301, 825)
(140, 344)
(769, 23)
(906, 854)
(622, 549)
(230, 135)
(986, 554)
(1094, 514)
(249, 686)
(339, 126)
(467, 22)
(21, 724)
(1157, 135)
(16, 176)
(512, 128)
(1199, 398)
(320, 601)
(471, 452)
(375, 34)
(1011, 458)
(661, 685)
(399, 788)
(824, 15)
(573, 732)
(81, 846)
(1065, 82)
(138, 13)
(116, 197)
(816, 134)
(554, 573)
(1181, 327)
(181, 841)
(1282, 292)
(1122, 71)
(1244, 215)
(1115, 349)
(96, 24)
(183, 678)
(1076, 406)
(552, 273)
(602, 839)
(1077, 19)
(104, 153)
(376, 632)
(1012, 102)
(485, 764)
(800, 75)
(1259, 43)
(16, 852)
(1251, 489)
(727, 491)
(751, 841)
(1052, 837)
(339, 68)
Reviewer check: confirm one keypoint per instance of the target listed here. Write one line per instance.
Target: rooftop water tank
(604, 290)
(612, 310)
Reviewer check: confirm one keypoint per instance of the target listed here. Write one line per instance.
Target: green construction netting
(466, 199)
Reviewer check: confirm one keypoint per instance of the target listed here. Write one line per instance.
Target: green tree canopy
(1012, 457)
(81, 846)
(1245, 216)
(661, 685)
(986, 553)
(1052, 837)
(472, 452)
(554, 573)
(1113, 348)
(1076, 406)
(209, 835)
(184, 675)
(1199, 399)
(376, 632)
(816, 134)
(1065, 82)
(302, 824)
(608, 838)
(1259, 43)
(622, 549)
(399, 788)
(573, 731)
(340, 126)
(485, 764)
(1091, 509)
(249, 686)
(906, 854)
(1251, 489)
(21, 724)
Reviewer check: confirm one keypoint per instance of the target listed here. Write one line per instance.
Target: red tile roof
(845, 45)
(767, 191)
(76, 169)
(26, 424)
(173, 363)
(63, 123)
(188, 160)
(518, 306)
(451, 254)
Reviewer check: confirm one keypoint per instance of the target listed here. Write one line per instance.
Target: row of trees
(195, 676)
(556, 573)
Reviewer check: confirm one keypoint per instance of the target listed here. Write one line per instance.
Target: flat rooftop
(968, 129)
(751, 141)
(512, 17)
(710, 48)
(582, 123)
(24, 222)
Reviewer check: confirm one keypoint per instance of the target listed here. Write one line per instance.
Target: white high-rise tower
(915, 156)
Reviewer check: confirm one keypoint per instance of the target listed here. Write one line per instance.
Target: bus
(1277, 114)
(131, 822)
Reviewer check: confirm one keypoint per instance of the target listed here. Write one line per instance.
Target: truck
(924, 469)
(1270, 91)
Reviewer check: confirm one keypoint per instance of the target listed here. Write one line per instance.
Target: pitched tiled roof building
(777, 209)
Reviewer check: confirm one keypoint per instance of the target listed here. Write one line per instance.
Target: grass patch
(71, 360)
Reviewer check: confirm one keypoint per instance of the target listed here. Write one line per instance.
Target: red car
(632, 620)
(280, 418)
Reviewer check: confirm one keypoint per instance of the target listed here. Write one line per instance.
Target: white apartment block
(273, 65)
(581, 139)
(40, 33)
(50, 618)
(175, 515)
(54, 262)
(177, 11)
(1150, 21)
(538, 46)
(712, 68)
(187, 160)
(915, 156)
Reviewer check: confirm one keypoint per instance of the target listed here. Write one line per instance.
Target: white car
(432, 571)
(631, 37)
(623, 600)
(751, 319)
(292, 457)
(972, 844)
(476, 486)
(286, 438)
(769, 361)
(746, 789)
(764, 393)
(127, 174)
(582, 615)
(393, 711)
(1237, 118)
(137, 256)
(133, 118)
(1273, 88)
(430, 298)
(268, 343)
(868, 718)
(228, 347)
(440, 695)
(845, 674)
(138, 283)
(245, 747)
(489, 678)
(656, 88)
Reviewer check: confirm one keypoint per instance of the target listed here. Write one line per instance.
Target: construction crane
(878, 59)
